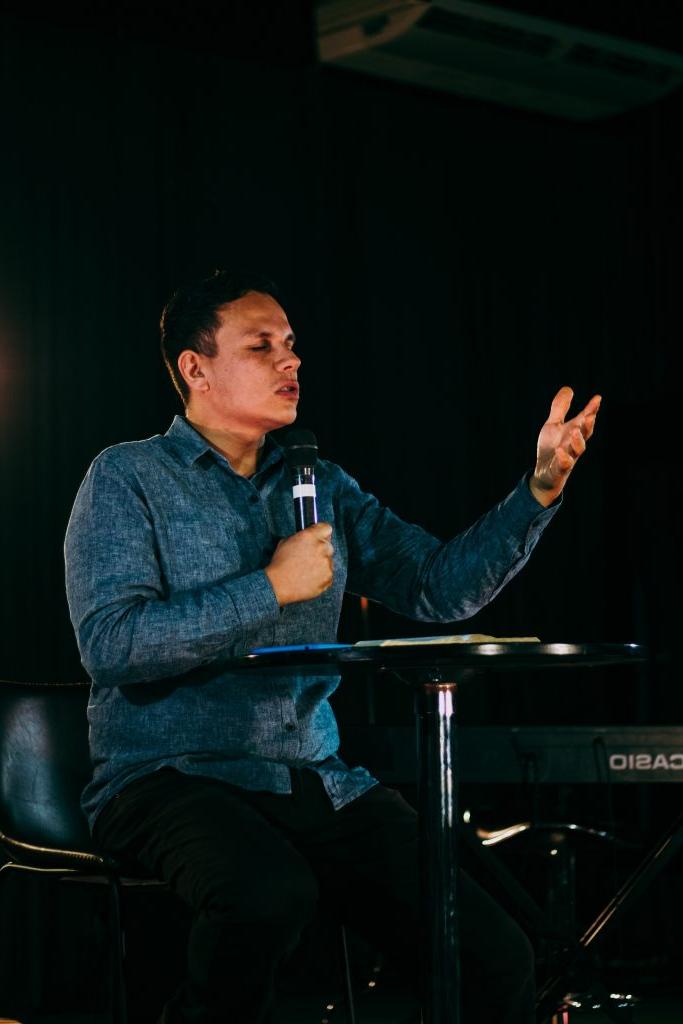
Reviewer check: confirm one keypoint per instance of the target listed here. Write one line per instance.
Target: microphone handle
(303, 493)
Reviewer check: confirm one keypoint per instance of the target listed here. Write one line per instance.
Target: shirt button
(254, 499)
(290, 726)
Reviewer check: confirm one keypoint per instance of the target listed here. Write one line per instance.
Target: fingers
(585, 420)
(560, 405)
(564, 462)
(588, 416)
(577, 443)
(322, 530)
(572, 446)
(566, 454)
(592, 406)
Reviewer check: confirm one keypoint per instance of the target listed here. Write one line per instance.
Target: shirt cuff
(531, 516)
(257, 605)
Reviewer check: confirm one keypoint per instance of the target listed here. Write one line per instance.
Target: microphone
(301, 455)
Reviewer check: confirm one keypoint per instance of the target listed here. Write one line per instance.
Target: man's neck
(242, 452)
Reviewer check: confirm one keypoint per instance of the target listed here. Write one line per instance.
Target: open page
(460, 638)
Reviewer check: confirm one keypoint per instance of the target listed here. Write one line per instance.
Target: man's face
(251, 382)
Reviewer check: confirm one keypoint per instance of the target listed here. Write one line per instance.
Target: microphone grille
(300, 448)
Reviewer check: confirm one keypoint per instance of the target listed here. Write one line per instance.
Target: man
(229, 786)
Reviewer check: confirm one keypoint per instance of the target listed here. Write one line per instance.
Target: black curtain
(447, 265)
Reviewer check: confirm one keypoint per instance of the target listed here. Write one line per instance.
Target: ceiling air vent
(495, 54)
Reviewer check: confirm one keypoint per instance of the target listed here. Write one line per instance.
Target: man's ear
(190, 369)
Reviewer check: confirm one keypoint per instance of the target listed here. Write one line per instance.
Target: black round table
(435, 670)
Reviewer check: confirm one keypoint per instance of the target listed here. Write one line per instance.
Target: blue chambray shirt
(165, 555)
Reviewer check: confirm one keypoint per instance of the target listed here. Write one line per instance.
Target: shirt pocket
(200, 551)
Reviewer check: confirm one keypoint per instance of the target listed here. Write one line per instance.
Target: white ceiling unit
(490, 53)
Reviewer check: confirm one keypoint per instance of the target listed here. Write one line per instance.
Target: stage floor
(387, 1009)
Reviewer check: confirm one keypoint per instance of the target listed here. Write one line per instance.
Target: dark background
(446, 264)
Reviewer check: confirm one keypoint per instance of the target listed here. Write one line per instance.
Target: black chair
(44, 765)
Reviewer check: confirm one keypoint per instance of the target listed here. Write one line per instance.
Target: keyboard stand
(655, 860)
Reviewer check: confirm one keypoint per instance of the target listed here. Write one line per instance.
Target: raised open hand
(560, 444)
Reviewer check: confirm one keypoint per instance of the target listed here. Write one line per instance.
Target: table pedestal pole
(436, 724)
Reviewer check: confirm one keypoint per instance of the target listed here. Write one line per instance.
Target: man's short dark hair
(190, 318)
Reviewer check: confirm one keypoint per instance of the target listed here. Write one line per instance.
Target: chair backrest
(44, 763)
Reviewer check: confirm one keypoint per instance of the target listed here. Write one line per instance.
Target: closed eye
(266, 346)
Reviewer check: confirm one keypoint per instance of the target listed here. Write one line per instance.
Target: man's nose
(288, 360)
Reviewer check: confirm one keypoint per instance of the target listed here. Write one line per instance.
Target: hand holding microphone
(301, 567)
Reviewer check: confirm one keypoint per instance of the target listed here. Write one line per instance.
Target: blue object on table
(299, 647)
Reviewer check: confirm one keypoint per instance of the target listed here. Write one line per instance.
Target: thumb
(560, 405)
(323, 530)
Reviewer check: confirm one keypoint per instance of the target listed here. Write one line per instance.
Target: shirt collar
(191, 445)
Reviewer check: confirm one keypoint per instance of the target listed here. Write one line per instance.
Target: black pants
(253, 866)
